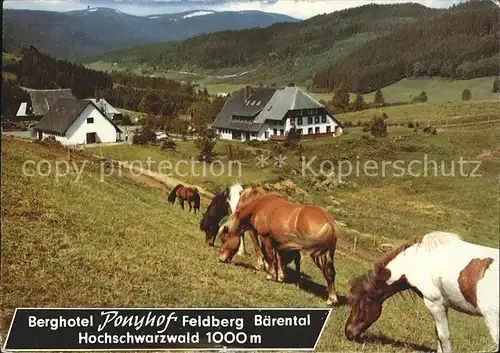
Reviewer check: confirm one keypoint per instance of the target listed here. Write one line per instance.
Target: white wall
(105, 131)
(269, 127)
(77, 133)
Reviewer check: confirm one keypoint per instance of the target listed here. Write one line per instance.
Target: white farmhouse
(74, 122)
(263, 113)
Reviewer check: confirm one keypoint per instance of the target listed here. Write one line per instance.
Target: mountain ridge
(76, 34)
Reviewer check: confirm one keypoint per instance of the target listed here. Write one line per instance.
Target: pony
(218, 209)
(444, 270)
(288, 226)
(188, 194)
(276, 259)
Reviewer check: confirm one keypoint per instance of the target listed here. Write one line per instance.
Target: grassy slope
(434, 112)
(56, 235)
(437, 89)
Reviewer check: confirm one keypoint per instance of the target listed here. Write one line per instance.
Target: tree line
(462, 43)
(150, 95)
(40, 71)
(272, 44)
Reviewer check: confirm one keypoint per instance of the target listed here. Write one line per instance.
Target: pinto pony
(190, 195)
(288, 226)
(216, 211)
(444, 270)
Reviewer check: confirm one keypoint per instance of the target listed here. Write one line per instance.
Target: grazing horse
(288, 226)
(276, 259)
(446, 271)
(216, 211)
(190, 195)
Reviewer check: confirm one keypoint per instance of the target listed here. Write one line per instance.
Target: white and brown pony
(446, 271)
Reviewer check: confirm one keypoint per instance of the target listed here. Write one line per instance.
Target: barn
(267, 113)
(41, 100)
(74, 122)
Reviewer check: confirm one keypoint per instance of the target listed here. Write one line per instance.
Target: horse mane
(252, 194)
(370, 283)
(437, 239)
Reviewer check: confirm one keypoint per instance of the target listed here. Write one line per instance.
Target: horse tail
(319, 245)
(196, 199)
(173, 194)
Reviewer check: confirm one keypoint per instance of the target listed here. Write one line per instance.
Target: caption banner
(194, 329)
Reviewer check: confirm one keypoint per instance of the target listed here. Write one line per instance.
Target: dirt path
(159, 181)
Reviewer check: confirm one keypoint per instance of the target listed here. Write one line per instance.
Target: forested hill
(365, 47)
(461, 43)
(272, 44)
(76, 34)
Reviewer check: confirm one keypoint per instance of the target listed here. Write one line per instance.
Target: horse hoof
(268, 276)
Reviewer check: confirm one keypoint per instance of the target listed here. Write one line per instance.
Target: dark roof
(275, 103)
(64, 113)
(237, 105)
(43, 100)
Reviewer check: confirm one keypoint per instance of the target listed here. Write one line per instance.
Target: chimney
(248, 92)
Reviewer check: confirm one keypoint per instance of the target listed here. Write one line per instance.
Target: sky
(301, 9)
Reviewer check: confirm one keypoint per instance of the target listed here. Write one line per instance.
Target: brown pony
(190, 195)
(276, 259)
(264, 248)
(288, 226)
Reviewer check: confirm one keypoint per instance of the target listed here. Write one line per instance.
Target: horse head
(365, 298)
(229, 245)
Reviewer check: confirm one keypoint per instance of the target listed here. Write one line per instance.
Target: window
(316, 119)
(282, 132)
(311, 111)
(299, 121)
(258, 103)
(275, 131)
(328, 128)
(317, 130)
(310, 120)
(90, 120)
(299, 131)
(310, 131)
(323, 119)
(267, 134)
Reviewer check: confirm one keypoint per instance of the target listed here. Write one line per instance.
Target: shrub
(126, 120)
(496, 85)
(379, 127)
(366, 128)
(422, 97)
(167, 145)
(293, 138)
(144, 136)
(430, 130)
(466, 94)
(411, 125)
(379, 97)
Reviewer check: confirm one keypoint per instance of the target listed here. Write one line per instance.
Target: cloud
(301, 9)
